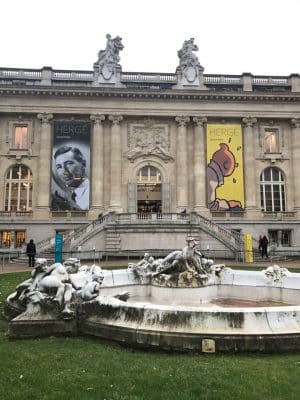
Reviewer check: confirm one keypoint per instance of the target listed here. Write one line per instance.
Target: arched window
(272, 191)
(18, 189)
(148, 174)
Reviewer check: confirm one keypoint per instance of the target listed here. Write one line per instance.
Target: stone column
(97, 204)
(250, 183)
(181, 164)
(295, 124)
(200, 200)
(44, 178)
(115, 164)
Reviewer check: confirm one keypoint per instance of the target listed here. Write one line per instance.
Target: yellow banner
(225, 175)
(248, 248)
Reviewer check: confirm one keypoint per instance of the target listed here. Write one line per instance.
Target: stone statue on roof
(109, 58)
(189, 63)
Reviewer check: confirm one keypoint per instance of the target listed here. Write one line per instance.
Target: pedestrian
(31, 252)
(264, 247)
(260, 244)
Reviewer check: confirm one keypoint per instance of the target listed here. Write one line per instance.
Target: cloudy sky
(233, 36)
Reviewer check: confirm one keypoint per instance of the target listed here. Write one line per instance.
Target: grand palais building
(122, 161)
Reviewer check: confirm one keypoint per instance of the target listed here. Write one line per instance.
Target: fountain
(183, 302)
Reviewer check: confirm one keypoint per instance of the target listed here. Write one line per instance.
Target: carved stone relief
(148, 138)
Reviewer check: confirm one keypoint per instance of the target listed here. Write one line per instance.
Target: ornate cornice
(174, 95)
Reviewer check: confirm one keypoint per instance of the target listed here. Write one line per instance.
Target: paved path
(290, 264)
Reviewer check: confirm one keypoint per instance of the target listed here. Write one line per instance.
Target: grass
(80, 368)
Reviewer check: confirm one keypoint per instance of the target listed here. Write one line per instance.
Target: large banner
(225, 175)
(70, 187)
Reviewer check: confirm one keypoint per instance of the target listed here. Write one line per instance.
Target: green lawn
(80, 368)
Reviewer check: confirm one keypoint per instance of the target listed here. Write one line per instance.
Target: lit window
(271, 141)
(272, 190)
(5, 239)
(21, 137)
(18, 189)
(19, 238)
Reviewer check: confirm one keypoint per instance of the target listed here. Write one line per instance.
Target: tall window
(272, 190)
(19, 238)
(271, 141)
(149, 190)
(18, 189)
(20, 139)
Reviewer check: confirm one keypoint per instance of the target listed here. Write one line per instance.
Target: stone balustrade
(50, 77)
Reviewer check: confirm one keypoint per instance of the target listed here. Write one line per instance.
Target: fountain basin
(231, 311)
(195, 319)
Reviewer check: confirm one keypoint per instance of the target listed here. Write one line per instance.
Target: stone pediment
(148, 138)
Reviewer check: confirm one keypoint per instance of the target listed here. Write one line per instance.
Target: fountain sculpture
(182, 302)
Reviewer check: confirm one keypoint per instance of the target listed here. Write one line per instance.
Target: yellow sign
(225, 175)
(248, 248)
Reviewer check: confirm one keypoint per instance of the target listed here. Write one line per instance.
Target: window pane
(271, 141)
(21, 137)
(272, 190)
(15, 172)
(283, 199)
(5, 239)
(148, 174)
(18, 189)
(6, 201)
(267, 175)
(286, 238)
(275, 174)
(20, 238)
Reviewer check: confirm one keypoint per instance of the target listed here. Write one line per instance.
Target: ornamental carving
(109, 58)
(200, 121)
(45, 118)
(249, 121)
(189, 63)
(147, 139)
(97, 118)
(295, 123)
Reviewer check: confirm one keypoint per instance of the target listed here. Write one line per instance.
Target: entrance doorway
(149, 190)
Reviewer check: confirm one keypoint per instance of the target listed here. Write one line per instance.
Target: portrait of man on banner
(225, 182)
(70, 189)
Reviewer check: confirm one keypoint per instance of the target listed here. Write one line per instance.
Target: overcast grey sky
(233, 36)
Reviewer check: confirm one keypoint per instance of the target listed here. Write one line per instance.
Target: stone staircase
(113, 240)
(111, 223)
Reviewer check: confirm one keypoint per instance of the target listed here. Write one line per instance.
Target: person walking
(260, 244)
(264, 247)
(31, 252)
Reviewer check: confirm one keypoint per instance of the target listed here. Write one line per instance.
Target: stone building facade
(157, 147)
